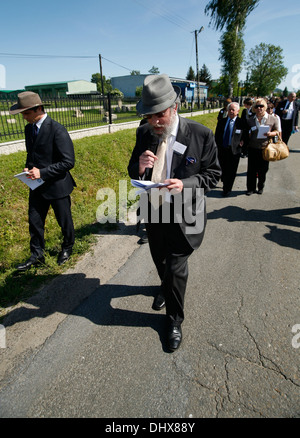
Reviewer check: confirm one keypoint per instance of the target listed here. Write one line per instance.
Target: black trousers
(170, 252)
(229, 164)
(287, 127)
(257, 169)
(38, 209)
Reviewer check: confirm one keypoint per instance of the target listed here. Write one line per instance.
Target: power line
(24, 55)
(171, 18)
(112, 62)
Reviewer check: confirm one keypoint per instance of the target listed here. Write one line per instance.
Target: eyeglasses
(259, 106)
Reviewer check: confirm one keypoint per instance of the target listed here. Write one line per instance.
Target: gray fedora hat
(158, 94)
(26, 100)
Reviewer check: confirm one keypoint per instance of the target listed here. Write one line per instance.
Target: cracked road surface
(90, 345)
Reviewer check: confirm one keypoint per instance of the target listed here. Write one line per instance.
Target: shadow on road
(283, 237)
(97, 307)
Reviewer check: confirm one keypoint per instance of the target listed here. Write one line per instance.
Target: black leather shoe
(143, 239)
(249, 193)
(64, 255)
(174, 336)
(260, 191)
(159, 302)
(32, 261)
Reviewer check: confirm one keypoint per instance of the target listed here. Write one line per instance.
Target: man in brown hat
(50, 156)
(182, 154)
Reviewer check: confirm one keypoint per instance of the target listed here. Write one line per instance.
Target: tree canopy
(107, 87)
(230, 15)
(154, 70)
(190, 76)
(204, 75)
(266, 69)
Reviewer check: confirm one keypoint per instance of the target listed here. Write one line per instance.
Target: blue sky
(129, 35)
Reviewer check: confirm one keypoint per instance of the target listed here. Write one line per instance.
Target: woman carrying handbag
(262, 127)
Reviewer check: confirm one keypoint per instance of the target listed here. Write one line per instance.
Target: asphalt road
(239, 357)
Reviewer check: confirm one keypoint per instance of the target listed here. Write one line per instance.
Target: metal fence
(73, 112)
(78, 112)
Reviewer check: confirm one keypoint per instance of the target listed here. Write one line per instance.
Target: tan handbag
(275, 151)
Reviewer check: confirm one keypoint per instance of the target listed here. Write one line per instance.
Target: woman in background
(257, 166)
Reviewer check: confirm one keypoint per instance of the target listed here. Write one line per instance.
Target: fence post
(109, 108)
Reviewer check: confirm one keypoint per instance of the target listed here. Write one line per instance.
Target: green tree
(190, 76)
(285, 92)
(266, 69)
(96, 79)
(154, 70)
(232, 55)
(220, 88)
(204, 75)
(135, 72)
(138, 91)
(231, 15)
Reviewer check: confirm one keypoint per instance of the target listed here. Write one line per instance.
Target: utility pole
(197, 68)
(100, 62)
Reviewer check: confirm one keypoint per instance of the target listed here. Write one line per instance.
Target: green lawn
(101, 161)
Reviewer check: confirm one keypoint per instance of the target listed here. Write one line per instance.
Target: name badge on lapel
(179, 148)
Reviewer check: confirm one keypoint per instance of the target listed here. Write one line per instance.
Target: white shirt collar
(39, 122)
(263, 120)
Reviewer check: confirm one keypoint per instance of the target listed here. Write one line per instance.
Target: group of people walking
(182, 154)
(262, 120)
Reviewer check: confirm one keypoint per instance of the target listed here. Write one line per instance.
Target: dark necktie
(35, 131)
(226, 136)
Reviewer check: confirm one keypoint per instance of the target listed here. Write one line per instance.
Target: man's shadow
(286, 217)
(64, 296)
(99, 308)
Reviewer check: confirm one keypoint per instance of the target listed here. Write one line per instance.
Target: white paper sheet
(263, 129)
(32, 183)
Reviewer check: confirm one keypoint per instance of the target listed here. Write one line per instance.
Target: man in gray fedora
(182, 154)
(50, 156)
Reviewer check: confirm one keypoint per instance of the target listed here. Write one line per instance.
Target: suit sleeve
(63, 154)
(209, 170)
(144, 141)
(133, 166)
(297, 114)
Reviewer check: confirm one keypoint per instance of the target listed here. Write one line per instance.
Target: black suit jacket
(245, 114)
(239, 133)
(53, 153)
(281, 106)
(202, 170)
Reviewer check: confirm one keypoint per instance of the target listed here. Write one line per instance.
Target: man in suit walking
(230, 137)
(182, 154)
(50, 156)
(288, 111)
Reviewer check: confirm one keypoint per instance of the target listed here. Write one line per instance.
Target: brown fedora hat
(26, 100)
(158, 94)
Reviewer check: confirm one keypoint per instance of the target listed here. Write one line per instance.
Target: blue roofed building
(128, 84)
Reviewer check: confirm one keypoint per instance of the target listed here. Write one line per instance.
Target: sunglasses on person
(259, 106)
